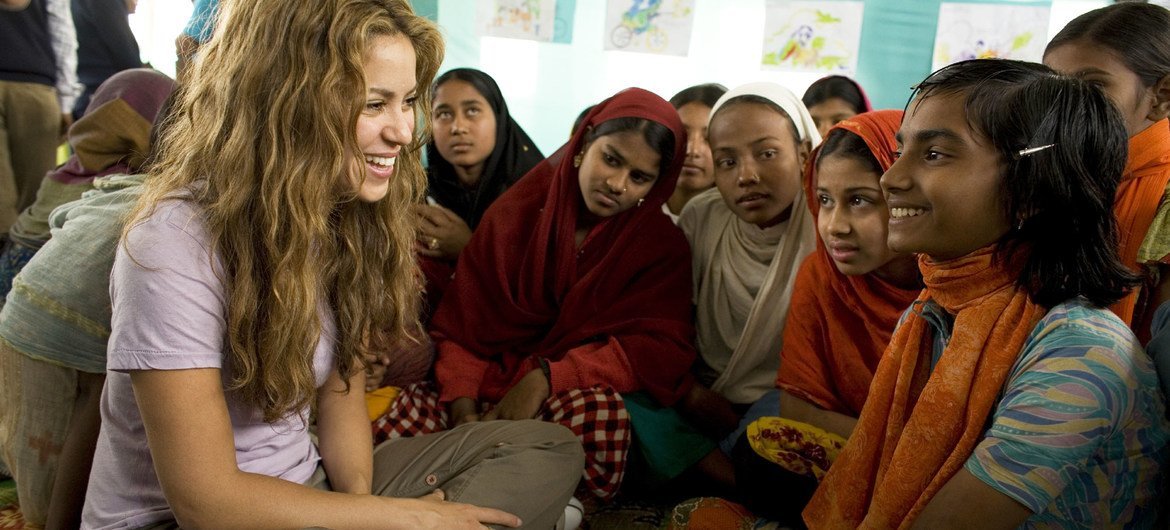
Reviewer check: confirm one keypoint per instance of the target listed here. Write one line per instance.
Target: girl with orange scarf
(1125, 49)
(1008, 395)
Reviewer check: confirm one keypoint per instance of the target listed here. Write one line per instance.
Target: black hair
(761, 100)
(1137, 33)
(707, 94)
(657, 136)
(835, 86)
(844, 143)
(480, 81)
(1059, 199)
(580, 119)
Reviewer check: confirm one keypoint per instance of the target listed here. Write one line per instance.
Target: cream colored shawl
(744, 275)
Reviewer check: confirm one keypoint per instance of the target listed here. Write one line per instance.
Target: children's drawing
(812, 36)
(649, 26)
(984, 31)
(518, 19)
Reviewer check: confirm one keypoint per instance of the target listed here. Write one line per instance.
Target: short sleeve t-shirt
(168, 314)
(1079, 434)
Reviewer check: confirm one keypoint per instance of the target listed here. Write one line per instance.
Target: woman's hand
(709, 410)
(442, 233)
(463, 410)
(375, 370)
(433, 511)
(523, 401)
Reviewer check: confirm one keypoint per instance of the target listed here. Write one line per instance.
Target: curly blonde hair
(263, 140)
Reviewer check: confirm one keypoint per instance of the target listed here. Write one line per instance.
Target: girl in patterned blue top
(1008, 396)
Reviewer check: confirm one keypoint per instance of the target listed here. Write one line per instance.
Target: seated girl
(272, 248)
(1008, 395)
(55, 324)
(1125, 49)
(748, 236)
(832, 99)
(110, 138)
(698, 174)
(850, 292)
(477, 152)
(573, 291)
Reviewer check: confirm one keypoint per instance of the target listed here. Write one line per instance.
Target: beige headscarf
(744, 275)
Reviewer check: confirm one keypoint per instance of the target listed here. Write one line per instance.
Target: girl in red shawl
(574, 289)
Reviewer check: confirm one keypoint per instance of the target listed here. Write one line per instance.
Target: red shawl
(522, 288)
(832, 345)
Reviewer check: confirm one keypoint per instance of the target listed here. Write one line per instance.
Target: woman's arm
(967, 502)
(190, 437)
(343, 433)
(798, 409)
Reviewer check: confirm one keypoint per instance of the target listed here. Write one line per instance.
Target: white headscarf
(744, 275)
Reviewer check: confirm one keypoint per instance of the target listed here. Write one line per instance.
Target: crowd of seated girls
(949, 315)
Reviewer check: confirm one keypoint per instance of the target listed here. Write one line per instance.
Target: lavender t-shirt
(168, 314)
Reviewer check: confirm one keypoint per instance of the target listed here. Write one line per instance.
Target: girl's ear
(804, 149)
(1161, 104)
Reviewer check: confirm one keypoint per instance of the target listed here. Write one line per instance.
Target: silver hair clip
(1029, 150)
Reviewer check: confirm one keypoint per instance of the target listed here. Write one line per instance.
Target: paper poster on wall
(649, 26)
(812, 36)
(518, 19)
(982, 31)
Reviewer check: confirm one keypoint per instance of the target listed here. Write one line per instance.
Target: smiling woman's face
(944, 190)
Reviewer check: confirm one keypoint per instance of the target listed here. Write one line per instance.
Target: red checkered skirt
(596, 415)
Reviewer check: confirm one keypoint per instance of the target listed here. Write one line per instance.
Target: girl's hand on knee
(438, 513)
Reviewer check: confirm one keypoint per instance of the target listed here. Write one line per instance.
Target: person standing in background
(106, 44)
(38, 86)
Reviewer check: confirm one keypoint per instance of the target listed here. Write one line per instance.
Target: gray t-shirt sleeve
(168, 303)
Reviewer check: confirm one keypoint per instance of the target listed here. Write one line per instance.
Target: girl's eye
(897, 154)
(609, 159)
(725, 163)
(858, 201)
(375, 106)
(768, 154)
(443, 115)
(641, 178)
(473, 111)
(932, 155)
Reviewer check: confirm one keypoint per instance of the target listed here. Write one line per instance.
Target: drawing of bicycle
(639, 20)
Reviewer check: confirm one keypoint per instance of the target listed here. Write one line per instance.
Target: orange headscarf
(1139, 194)
(833, 344)
(940, 414)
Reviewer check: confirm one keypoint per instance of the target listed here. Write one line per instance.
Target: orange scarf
(880, 482)
(1139, 194)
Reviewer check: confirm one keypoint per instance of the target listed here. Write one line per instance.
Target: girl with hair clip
(834, 98)
(698, 174)
(1125, 50)
(1008, 395)
(572, 292)
(748, 236)
(272, 248)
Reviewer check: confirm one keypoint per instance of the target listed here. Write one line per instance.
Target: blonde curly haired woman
(272, 250)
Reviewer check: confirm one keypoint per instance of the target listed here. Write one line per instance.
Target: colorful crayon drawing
(519, 19)
(812, 36)
(984, 31)
(653, 26)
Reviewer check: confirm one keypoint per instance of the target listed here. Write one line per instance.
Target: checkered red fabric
(596, 415)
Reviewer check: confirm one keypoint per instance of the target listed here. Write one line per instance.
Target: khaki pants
(30, 129)
(529, 468)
